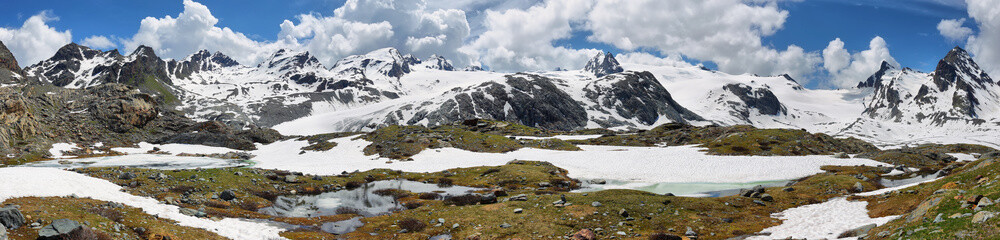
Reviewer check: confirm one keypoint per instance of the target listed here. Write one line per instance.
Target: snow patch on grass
(823, 220)
(58, 149)
(50, 182)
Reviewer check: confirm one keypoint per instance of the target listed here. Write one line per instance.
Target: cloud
(651, 60)
(953, 30)
(35, 40)
(523, 39)
(361, 26)
(985, 46)
(192, 30)
(861, 65)
(99, 42)
(725, 32)
(835, 57)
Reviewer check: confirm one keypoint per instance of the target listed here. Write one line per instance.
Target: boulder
(584, 234)
(227, 195)
(982, 216)
(858, 187)
(59, 229)
(858, 232)
(11, 218)
(623, 212)
(3, 233)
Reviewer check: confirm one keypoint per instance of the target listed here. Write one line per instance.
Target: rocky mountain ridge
(384, 87)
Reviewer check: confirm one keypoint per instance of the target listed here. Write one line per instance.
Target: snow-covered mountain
(603, 64)
(295, 93)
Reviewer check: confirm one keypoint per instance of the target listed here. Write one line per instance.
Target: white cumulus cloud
(99, 42)
(192, 30)
(725, 32)
(985, 46)
(523, 39)
(361, 26)
(835, 57)
(953, 30)
(651, 60)
(35, 40)
(860, 66)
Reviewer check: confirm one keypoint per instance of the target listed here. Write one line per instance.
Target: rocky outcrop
(218, 134)
(123, 108)
(760, 99)
(635, 95)
(7, 60)
(201, 61)
(528, 99)
(603, 64)
(438, 63)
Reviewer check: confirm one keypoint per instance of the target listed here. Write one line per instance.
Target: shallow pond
(362, 200)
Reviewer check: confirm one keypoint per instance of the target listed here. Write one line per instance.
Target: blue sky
(907, 26)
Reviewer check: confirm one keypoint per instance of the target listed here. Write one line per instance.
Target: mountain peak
(439, 63)
(956, 66)
(876, 79)
(603, 64)
(7, 60)
(143, 50)
(287, 59)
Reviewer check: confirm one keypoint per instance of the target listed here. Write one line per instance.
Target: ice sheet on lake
(152, 161)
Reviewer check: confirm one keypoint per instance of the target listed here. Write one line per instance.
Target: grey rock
(858, 187)
(505, 225)
(227, 195)
(623, 212)
(766, 197)
(126, 176)
(291, 179)
(58, 229)
(858, 232)
(595, 204)
(3, 232)
(982, 216)
(518, 210)
(11, 217)
(841, 155)
(690, 232)
(519, 197)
